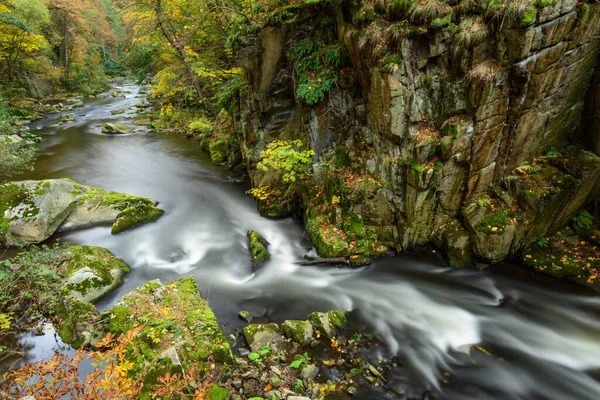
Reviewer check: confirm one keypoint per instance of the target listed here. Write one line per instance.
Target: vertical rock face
(447, 125)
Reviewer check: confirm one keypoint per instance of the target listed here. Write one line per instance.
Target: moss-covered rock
(92, 272)
(329, 323)
(76, 322)
(565, 254)
(260, 335)
(218, 150)
(170, 317)
(258, 249)
(97, 206)
(115, 129)
(299, 331)
(31, 211)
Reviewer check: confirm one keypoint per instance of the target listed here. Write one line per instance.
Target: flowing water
(539, 337)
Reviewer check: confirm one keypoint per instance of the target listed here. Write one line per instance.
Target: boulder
(67, 118)
(76, 322)
(92, 272)
(176, 330)
(31, 211)
(258, 249)
(299, 331)
(115, 129)
(96, 206)
(260, 335)
(245, 316)
(330, 322)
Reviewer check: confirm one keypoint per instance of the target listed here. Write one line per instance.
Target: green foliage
(288, 159)
(229, 91)
(16, 157)
(299, 360)
(316, 66)
(391, 62)
(542, 243)
(584, 220)
(30, 284)
(553, 154)
(484, 202)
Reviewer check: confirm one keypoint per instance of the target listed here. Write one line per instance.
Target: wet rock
(76, 322)
(329, 323)
(92, 272)
(258, 249)
(115, 129)
(309, 371)
(117, 112)
(260, 335)
(245, 316)
(67, 118)
(299, 331)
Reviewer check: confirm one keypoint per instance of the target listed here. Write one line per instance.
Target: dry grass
(484, 73)
(471, 31)
(426, 11)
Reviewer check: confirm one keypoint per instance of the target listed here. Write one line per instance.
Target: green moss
(100, 260)
(170, 315)
(329, 240)
(299, 331)
(496, 222)
(338, 318)
(136, 215)
(258, 248)
(529, 16)
(218, 150)
(75, 321)
(217, 392)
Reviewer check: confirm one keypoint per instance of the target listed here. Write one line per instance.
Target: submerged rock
(31, 211)
(93, 272)
(176, 329)
(330, 322)
(260, 335)
(258, 249)
(115, 129)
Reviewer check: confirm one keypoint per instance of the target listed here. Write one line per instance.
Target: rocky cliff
(469, 124)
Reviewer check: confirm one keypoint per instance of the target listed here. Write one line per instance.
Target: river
(539, 337)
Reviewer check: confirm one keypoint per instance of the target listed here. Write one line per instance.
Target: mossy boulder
(92, 272)
(329, 323)
(218, 150)
(329, 240)
(76, 322)
(258, 249)
(115, 129)
(260, 335)
(67, 118)
(299, 331)
(176, 329)
(31, 211)
(96, 206)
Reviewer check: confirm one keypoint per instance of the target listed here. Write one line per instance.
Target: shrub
(288, 159)
(316, 66)
(471, 31)
(584, 220)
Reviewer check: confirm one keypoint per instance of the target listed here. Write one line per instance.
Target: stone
(184, 316)
(329, 323)
(309, 371)
(245, 316)
(258, 249)
(67, 118)
(31, 211)
(299, 331)
(92, 272)
(260, 335)
(76, 322)
(115, 129)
